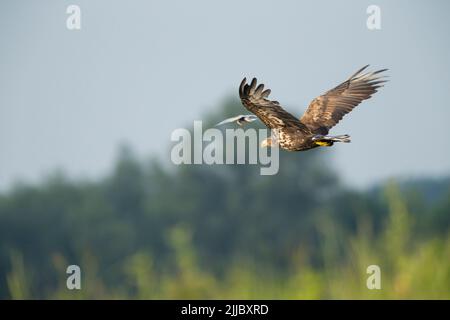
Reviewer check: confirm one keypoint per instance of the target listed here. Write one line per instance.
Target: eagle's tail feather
(328, 141)
(342, 138)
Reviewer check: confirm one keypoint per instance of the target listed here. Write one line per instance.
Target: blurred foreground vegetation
(151, 231)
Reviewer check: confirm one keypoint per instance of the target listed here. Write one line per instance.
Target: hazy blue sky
(139, 69)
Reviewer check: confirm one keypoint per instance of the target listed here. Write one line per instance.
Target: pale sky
(137, 70)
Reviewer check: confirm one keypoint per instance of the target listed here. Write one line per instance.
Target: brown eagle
(324, 112)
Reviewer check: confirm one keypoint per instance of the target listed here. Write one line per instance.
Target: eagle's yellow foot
(324, 143)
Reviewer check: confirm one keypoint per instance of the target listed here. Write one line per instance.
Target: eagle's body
(325, 111)
(293, 139)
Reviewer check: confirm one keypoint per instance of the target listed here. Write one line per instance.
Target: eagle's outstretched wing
(270, 112)
(328, 109)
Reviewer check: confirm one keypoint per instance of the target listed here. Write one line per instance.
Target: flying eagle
(324, 112)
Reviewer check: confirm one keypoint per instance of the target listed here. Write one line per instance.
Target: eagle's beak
(266, 143)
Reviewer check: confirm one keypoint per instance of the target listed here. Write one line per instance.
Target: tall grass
(411, 268)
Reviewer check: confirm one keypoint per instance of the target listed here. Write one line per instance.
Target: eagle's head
(266, 143)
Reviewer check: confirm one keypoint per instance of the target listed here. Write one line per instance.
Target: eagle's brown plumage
(322, 114)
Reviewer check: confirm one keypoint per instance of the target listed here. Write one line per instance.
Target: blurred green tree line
(153, 230)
